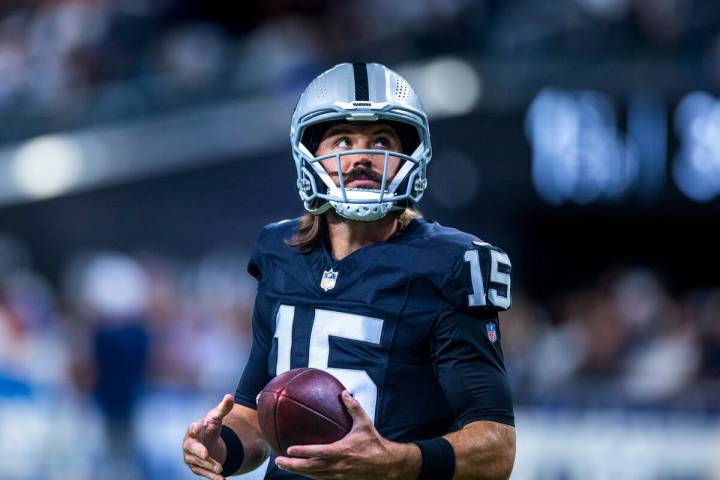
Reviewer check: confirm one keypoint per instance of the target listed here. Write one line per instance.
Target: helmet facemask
(397, 190)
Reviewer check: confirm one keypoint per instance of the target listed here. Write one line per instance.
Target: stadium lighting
(449, 86)
(579, 154)
(696, 170)
(47, 166)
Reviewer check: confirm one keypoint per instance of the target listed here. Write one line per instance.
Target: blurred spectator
(200, 321)
(703, 308)
(282, 53)
(113, 292)
(30, 353)
(194, 54)
(13, 61)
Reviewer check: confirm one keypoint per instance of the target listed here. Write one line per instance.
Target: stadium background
(145, 143)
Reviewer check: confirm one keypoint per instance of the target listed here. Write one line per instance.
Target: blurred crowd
(51, 51)
(143, 319)
(114, 329)
(124, 339)
(54, 52)
(625, 341)
(118, 323)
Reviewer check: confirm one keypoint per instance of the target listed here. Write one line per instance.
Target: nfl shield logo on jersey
(492, 332)
(328, 280)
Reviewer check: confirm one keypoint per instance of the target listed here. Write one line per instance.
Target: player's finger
(313, 451)
(209, 464)
(222, 409)
(194, 430)
(302, 465)
(196, 448)
(206, 473)
(354, 409)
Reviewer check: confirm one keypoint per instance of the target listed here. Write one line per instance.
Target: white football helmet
(360, 92)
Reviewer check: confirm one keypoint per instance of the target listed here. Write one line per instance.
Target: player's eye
(382, 142)
(343, 142)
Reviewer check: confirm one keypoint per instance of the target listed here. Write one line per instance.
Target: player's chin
(363, 185)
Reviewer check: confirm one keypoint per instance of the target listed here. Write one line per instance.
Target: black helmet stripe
(362, 92)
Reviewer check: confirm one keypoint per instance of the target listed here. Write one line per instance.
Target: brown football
(302, 406)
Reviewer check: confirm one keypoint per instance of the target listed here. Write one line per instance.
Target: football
(302, 406)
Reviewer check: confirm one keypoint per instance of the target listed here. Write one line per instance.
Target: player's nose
(361, 160)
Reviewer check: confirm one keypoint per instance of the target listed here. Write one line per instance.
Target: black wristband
(235, 451)
(438, 459)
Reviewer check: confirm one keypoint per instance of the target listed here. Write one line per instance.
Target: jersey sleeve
(480, 279)
(257, 374)
(465, 346)
(469, 366)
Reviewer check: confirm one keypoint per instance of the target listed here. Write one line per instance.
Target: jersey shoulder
(272, 243)
(432, 235)
(476, 273)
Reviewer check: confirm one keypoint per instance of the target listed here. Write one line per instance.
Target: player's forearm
(483, 450)
(243, 421)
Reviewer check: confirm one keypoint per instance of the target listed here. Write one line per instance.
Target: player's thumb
(222, 409)
(354, 409)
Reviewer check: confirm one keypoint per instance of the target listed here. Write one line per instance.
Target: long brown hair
(313, 228)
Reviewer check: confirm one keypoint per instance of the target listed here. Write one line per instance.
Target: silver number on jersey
(345, 325)
(283, 333)
(328, 323)
(477, 297)
(496, 298)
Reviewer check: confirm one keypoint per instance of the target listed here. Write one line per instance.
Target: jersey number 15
(478, 298)
(326, 324)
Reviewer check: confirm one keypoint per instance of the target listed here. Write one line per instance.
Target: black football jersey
(409, 326)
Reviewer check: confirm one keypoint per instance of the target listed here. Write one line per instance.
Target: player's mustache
(362, 173)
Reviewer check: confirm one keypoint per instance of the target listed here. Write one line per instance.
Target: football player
(403, 311)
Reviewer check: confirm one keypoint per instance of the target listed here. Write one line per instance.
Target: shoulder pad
(271, 241)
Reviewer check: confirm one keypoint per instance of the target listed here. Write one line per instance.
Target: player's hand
(361, 454)
(203, 449)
